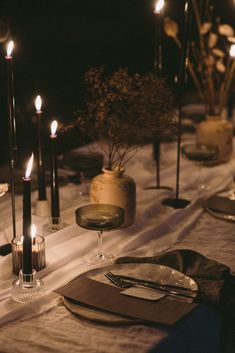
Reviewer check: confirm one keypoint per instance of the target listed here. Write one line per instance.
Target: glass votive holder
(27, 287)
(55, 224)
(38, 253)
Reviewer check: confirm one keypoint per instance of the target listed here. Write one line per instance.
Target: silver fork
(115, 279)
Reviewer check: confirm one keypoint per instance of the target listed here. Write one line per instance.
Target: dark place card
(221, 204)
(108, 298)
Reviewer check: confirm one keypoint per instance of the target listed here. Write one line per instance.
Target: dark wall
(57, 44)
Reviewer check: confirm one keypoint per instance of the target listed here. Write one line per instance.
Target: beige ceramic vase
(217, 131)
(116, 188)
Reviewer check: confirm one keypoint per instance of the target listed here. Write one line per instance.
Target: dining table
(47, 325)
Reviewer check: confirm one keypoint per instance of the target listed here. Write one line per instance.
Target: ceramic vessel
(116, 188)
(217, 131)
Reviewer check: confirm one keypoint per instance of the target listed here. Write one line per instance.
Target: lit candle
(232, 51)
(158, 11)
(38, 251)
(27, 240)
(55, 204)
(11, 128)
(11, 102)
(40, 152)
(33, 233)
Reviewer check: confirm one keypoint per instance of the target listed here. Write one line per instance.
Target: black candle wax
(40, 160)
(186, 41)
(55, 203)
(158, 43)
(11, 110)
(27, 241)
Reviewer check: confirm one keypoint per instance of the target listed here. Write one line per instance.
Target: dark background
(58, 43)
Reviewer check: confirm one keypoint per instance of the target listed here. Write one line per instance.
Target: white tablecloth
(47, 326)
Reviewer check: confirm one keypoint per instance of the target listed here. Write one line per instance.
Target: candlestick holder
(27, 287)
(178, 202)
(55, 224)
(156, 156)
(42, 208)
(38, 253)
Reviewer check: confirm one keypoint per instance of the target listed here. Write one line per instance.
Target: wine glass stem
(100, 245)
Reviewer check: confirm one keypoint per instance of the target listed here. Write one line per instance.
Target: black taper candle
(158, 37)
(11, 129)
(11, 105)
(158, 68)
(40, 153)
(27, 238)
(55, 202)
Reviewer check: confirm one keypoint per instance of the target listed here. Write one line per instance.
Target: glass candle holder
(27, 287)
(38, 253)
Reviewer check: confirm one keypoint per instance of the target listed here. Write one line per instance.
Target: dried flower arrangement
(124, 112)
(211, 63)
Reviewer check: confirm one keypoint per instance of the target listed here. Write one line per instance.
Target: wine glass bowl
(99, 217)
(203, 154)
(199, 152)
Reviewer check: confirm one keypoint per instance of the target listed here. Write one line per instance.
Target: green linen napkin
(215, 282)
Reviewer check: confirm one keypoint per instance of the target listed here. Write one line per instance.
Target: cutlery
(127, 284)
(155, 283)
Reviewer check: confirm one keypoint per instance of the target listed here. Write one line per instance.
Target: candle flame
(159, 6)
(29, 167)
(54, 125)
(10, 48)
(232, 51)
(33, 231)
(38, 103)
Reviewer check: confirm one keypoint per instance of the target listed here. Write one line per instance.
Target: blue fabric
(198, 332)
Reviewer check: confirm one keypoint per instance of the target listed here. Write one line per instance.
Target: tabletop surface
(47, 326)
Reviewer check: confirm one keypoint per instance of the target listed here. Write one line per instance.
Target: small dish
(146, 271)
(220, 215)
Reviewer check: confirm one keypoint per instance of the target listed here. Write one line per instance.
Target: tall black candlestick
(11, 130)
(182, 79)
(27, 239)
(40, 159)
(158, 68)
(55, 202)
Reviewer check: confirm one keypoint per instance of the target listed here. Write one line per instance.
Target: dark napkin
(215, 282)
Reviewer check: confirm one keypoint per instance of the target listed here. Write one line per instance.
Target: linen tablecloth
(46, 325)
